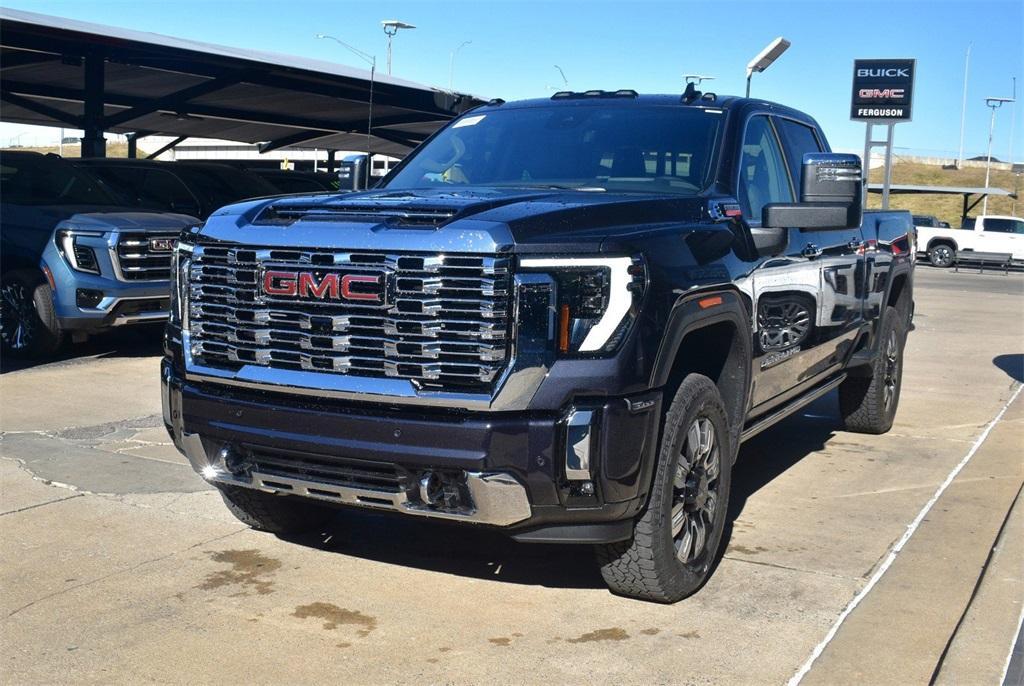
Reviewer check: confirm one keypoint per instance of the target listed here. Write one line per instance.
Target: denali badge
(161, 244)
(368, 288)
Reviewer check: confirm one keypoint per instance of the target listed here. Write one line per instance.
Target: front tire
(28, 321)
(868, 404)
(274, 513)
(942, 255)
(676, 540)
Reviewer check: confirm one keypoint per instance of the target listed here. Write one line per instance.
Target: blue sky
(642, 45)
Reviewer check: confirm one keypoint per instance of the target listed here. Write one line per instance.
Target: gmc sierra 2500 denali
(558, 318)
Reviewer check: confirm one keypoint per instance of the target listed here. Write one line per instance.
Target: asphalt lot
(118, 564)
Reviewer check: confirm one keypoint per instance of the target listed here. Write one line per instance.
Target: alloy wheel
(17, 316)
(890, 376)
(695, 491)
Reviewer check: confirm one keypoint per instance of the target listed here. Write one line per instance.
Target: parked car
(75, 260)
(298, 181)
(558, 319)
(929, 221)
(194, 188)
(990, 234)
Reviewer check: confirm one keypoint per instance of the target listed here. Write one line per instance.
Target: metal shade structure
(62, 72)
(965, 191)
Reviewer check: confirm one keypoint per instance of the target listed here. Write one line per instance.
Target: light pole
(963, 107)
(451, 63)
(994, 103)
(697, 78)
(564, 80)
(765, 58)
(391, 27)
(372, 61)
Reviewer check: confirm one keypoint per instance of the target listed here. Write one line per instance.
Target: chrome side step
(780, 414)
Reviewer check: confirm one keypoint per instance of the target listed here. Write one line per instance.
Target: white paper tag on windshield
(469, 121)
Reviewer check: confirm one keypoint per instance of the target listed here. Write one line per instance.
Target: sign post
(883, 94)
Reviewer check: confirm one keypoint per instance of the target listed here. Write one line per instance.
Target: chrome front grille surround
(143, 256)
(438, 321)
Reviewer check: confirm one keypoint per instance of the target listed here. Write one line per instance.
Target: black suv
(194, 188)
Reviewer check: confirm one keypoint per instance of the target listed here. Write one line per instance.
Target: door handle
(811, 251)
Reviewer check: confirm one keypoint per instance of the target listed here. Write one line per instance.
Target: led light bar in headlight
(596, 298)
(181, 263)
(81, 258)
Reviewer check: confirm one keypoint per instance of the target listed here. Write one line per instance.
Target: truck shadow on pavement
(1012, 364)
(481, 554)
(134, 341)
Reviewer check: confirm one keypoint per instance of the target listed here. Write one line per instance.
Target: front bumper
(121, 303)
(504, 469)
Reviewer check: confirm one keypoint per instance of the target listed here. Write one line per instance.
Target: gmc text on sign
(883, 90)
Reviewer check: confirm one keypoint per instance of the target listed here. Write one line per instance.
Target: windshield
(221, 185)
(659, 149)
(27, 179)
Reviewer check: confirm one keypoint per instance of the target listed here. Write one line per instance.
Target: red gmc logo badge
(367, 288)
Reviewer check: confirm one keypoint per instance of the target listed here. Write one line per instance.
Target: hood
(469, 220)
(115, 219)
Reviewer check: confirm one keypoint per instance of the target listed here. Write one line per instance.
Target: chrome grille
(144, 256)
(444, 322)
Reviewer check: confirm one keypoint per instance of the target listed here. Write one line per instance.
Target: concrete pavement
(119, 565)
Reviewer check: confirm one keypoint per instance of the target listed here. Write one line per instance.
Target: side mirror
(830, 195)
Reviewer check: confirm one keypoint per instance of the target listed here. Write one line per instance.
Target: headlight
(82, 258)
(597, 299)
(181, 263)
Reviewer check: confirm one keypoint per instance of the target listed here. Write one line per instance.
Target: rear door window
(1003, 225)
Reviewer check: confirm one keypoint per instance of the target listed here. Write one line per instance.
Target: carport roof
(160, 85)
(954, 190)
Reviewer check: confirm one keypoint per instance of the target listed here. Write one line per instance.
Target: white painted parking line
(891, 557)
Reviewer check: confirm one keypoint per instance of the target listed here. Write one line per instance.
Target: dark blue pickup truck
(557, 318)
(75, 260)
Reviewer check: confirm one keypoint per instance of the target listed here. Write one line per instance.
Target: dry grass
(947, 207)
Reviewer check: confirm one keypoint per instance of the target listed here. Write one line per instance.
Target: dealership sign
(883, 90)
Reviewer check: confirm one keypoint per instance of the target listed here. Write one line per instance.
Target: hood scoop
(405, 216)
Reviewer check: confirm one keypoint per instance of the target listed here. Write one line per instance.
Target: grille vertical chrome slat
(142, 257)
(445, 322)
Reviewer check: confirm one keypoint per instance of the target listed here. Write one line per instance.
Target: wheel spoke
(693, 442)
(678, 518)
(699, 534)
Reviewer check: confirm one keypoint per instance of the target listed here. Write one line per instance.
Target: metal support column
(869, 145)
(331, 168)
(133, 147)
(93, 143)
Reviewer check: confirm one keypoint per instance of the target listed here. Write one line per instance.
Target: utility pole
(1013, 122)
(963, 107)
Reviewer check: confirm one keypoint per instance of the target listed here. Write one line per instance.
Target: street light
(391, 27)
(372, 61)
(451, 63)
(564, 80)
(995, 104)
(765, 58)
(697, 78)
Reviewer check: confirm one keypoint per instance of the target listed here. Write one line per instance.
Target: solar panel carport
(62, 72)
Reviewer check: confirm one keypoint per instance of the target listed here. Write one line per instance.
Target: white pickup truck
(990, 234)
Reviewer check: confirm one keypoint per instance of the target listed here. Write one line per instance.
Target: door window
(1000, 225)
(763, 177)
(799, 139)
